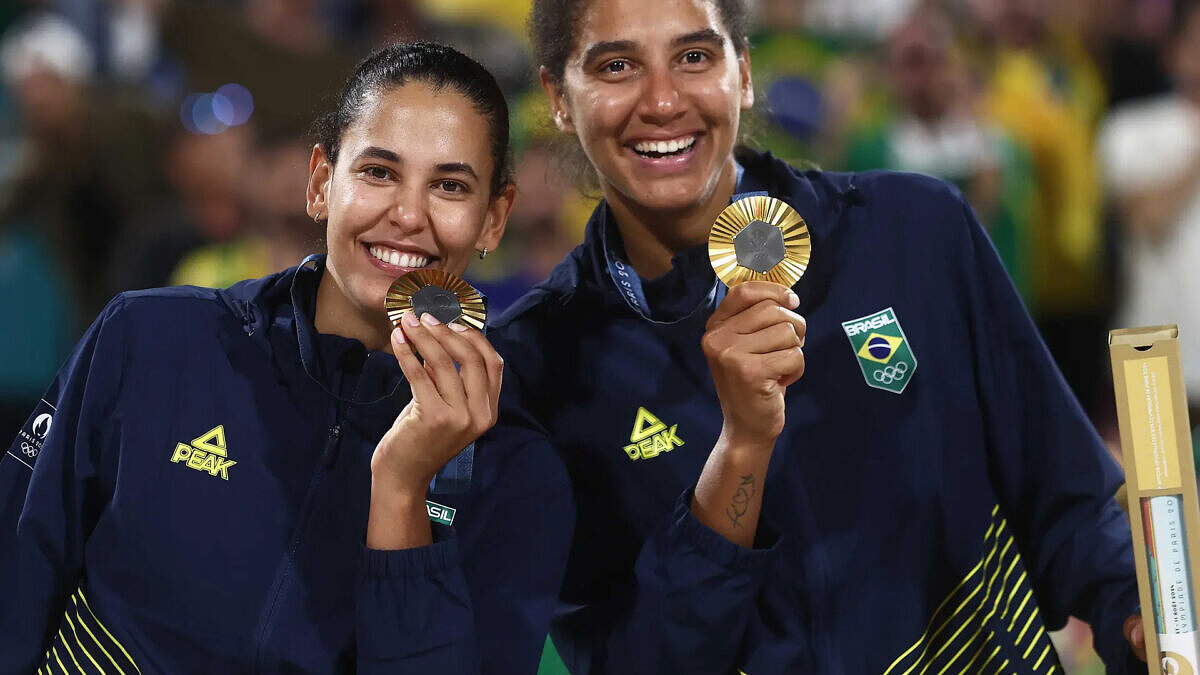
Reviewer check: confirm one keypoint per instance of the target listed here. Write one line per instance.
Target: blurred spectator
(85, 162)
(935, 130)
(206, 204)
(264, 199)
(1127, 37)
(1042, 87)
(1150, 151)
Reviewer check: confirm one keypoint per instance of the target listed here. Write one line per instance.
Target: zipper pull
(329, 454)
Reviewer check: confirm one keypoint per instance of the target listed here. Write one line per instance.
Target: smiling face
(654, 90)
(411, 188)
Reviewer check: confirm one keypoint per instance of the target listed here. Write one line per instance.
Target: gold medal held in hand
(432, 291)
(759, 239)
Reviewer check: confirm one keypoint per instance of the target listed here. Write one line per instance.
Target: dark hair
(1181, 14)
(436, 65)
(552, 29)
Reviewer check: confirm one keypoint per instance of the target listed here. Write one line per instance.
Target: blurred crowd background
(154, 142)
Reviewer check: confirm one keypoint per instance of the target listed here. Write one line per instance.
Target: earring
(483, 253)
(317, 218)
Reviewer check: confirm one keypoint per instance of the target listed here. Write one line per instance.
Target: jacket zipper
(284, 574)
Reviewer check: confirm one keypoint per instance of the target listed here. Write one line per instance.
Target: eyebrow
(599, 48)
(703, 35)
(457, 167)
(386, 155)
(380, 153)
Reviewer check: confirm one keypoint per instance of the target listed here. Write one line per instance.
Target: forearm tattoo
(740, 503)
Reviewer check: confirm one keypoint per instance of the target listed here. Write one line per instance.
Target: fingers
(479, 373)
(473, 371)
(426, 337)
(492, 360)
(744, 296)
(764, 314)
(786, 365)
(419, 381)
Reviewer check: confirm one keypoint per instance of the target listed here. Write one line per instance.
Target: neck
(652, 237)
(335, 315)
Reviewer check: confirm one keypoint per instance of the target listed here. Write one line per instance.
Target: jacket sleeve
(686, 608)
(51, 494)
(1054, 476)
(483, 607)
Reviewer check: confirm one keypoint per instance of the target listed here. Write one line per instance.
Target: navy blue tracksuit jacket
(191, 496)
(940, 528)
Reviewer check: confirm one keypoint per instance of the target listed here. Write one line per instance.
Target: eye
(695, 56)
(615, 67)
(377, 172)
(452, 186)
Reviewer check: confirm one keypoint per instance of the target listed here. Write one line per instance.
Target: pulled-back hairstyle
(552, 29)
(436, 65)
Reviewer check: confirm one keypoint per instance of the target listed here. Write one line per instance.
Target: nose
(410, 209)
(661, 100)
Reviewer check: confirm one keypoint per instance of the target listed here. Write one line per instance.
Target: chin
(671, 197)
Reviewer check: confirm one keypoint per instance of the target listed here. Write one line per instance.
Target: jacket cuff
(686, 528)
(1110, 641)
(424, 561)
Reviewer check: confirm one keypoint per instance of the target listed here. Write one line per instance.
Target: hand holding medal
(759, 246)
(452, 369)
(753, 342)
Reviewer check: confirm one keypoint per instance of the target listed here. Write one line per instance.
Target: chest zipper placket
(283, 575)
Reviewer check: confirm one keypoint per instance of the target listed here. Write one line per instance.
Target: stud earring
(483, 253)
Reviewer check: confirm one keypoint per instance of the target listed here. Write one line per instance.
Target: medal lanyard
(629, 284)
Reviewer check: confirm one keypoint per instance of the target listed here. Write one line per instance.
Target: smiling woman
(347, 523)
(760, 487)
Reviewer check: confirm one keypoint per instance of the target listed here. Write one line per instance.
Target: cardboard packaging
(1161, 487)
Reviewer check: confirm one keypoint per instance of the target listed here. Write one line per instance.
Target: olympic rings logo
(891, 373)
(29, 450)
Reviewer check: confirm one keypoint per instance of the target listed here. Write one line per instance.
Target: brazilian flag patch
(883, 352)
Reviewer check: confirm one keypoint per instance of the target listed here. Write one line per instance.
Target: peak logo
(206, 452)
(650, 437)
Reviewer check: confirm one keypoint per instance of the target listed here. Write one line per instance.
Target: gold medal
(759, 239)
(435, 292)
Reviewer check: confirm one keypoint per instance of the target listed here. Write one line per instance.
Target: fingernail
(398, 336)
(793, 299)
(429, 319)
(410, 319)
(458, 328)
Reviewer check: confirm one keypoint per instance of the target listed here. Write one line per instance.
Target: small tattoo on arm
(741, 501)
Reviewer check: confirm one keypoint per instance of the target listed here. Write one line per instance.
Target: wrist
(398, 488)
(738, 444)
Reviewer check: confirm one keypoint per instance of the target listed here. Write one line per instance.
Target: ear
(558, 103)
(496, 219)
(747, 80)
(320, 171)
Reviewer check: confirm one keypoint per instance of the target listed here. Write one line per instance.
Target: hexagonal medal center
(759, 246)
(437, 301)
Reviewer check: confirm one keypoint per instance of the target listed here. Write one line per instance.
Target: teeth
(399, 259)
(665, 147)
